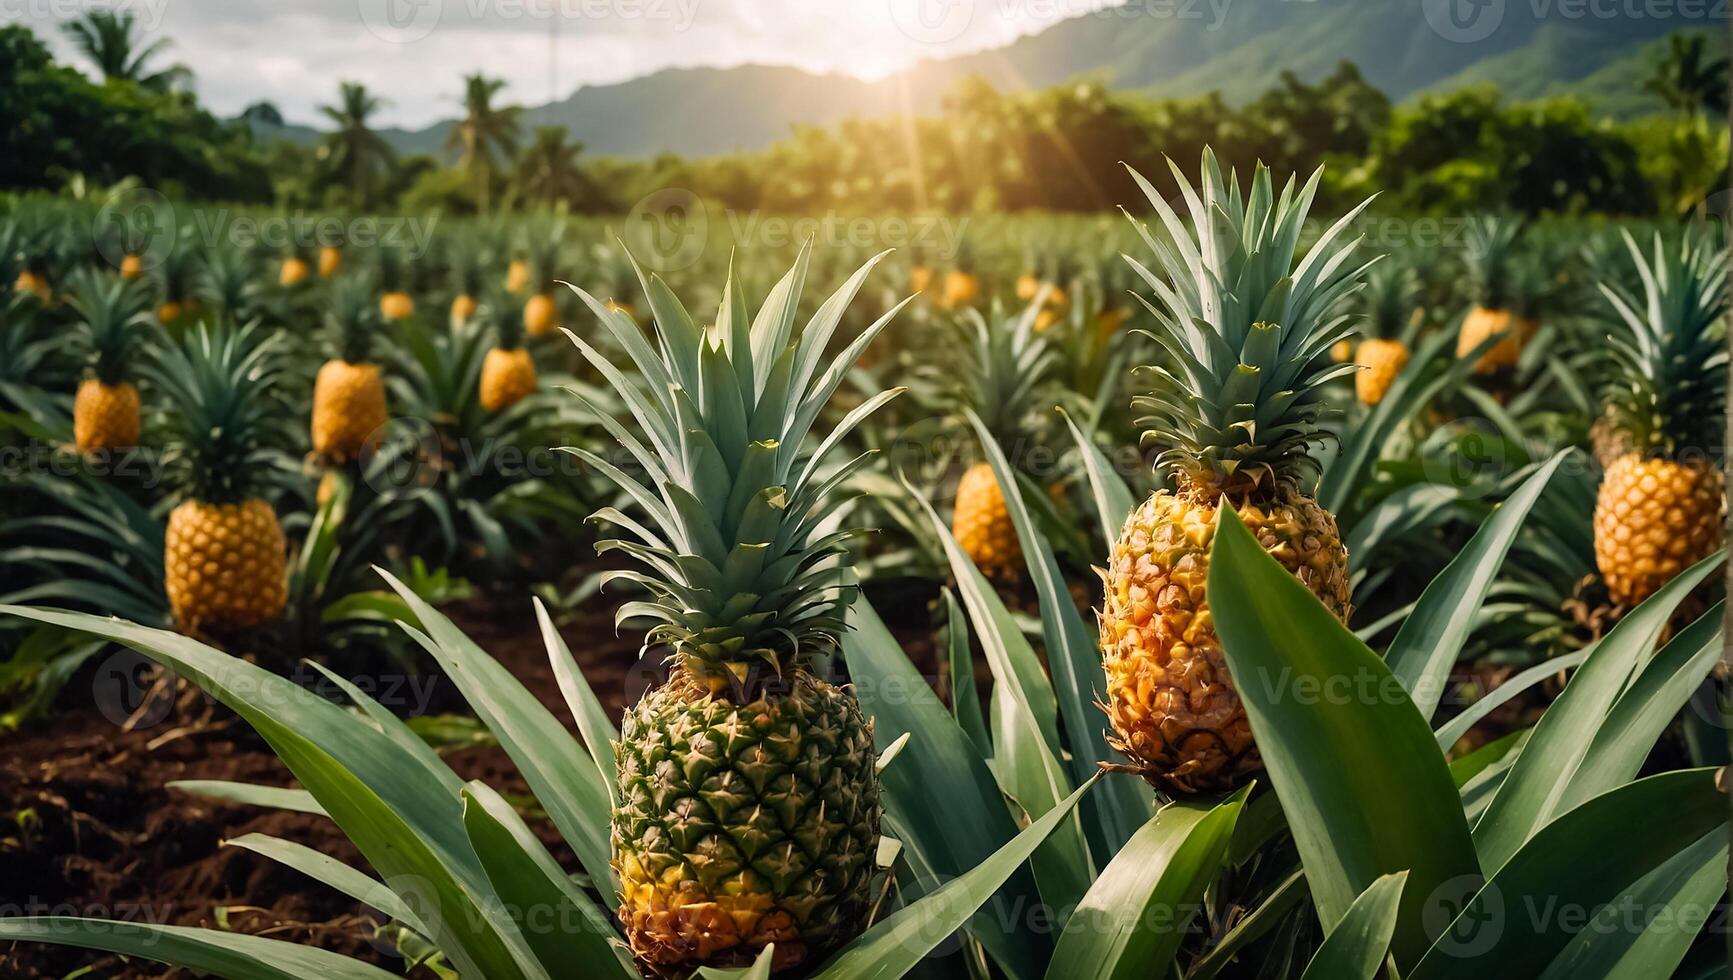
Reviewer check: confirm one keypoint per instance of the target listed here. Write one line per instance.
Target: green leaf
(1666, 682)
(897, 944)
(225, 954)
(576, 798)
(1675, 902)
(1426, 647)
(965, 825)
(1132, 921)
(1337, 732)
(1074, 658)
(1265, 916)
(329, 871)
(1538, 901)
(1534, 791)
(556, 917)
(1455, 728)
(965, 698)
(759, 970)
(276, 797)
(1357, 946)
(1037, 782)
(594, 724)
(1113, 499)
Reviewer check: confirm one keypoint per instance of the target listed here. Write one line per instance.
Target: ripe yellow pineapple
(131, 267)
(1492, 246)
(348, 393)
(1004, 380)
(961, 287)
(748, 807)
(330, 261)
(224, 564)
(395, 303)
(508, 373)
(105, 412)
(293, 272)
(462, 308)
(1234, 408)
(1661, 503)
(1390, 319)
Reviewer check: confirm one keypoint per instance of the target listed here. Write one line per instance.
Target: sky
(413, 52)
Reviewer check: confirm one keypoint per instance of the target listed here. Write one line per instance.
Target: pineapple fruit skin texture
(224, 565)
(982, 525)
(1175, 712)
(1653, 519)
(1481, 323)
(741, 825)
(539, 315)
(1380, 362)
(508, 376)
(396, 306)
(105, 416)
(348, 409)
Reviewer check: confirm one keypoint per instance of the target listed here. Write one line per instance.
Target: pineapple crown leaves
(1009, 365)
(178, 274)
(353, 319)
(1669, 386)
(223, 421)
(109, 310)
(734, 495)
(1246, 332)
(1492, 243)
(388, 268)
(1392, 290)
(507, 318)
(226, 281)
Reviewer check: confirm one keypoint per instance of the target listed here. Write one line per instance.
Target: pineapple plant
(348, 392)
(1006, 372)
(1392, 289)
(540, 312)
(466, 284)
(224, 561)
(105, 412)
(330, 261)
(748, 808)
(962, 286)
(395, 303)
(1494, 272)
(226, 285)
(175, 281)
(1233, 407)
(1660, 505)
(508, 372)
(294, 269)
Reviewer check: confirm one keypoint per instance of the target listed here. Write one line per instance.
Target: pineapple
(466, 280)
(174, 283)
(224, 562)
(294, 270)
(1008, 368)
(1492, 247)
(105, 412)
(1390, 299)
(1233, 407)
(540, 313)
(330, 261)
(131, 267)
(748, 808)
(508, 373)
(348, 393)
(962, 287)
(395, 303)
(1660, 505)
(517, 276)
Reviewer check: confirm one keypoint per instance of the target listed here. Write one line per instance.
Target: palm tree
(548, 171)
(1690, 79)
(352, 151)
(107, 38)
(484, 129)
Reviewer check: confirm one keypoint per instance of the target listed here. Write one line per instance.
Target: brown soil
(88, 827)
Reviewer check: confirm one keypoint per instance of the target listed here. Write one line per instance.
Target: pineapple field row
(1229, 588)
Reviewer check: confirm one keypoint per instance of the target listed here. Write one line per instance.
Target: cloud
(414, 52)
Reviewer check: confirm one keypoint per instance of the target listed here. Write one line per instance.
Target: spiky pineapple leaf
(1452, 730)
(1366, 791)
(215, 951)
(972, 821)
(1131, 922)
(1586, 859)
(1074, 657)
(1357, 946)
(1430, 640)
(332, 873)
(965, 699)
(1113, 500)
(897, 944)
(275, 797)
(597, 729)
(1534, 792)
(402, 819)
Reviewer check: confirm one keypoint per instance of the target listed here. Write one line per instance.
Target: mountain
(1163, 48)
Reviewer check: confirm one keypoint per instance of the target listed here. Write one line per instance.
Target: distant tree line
(1058, 148)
